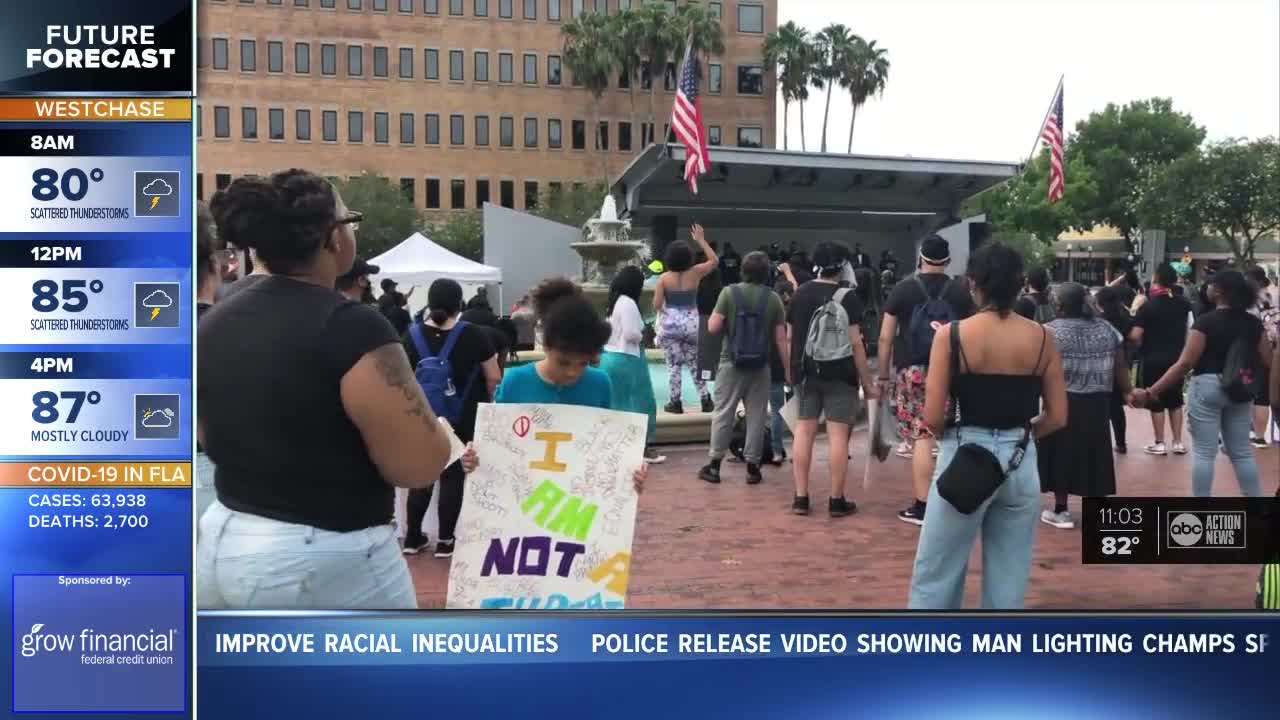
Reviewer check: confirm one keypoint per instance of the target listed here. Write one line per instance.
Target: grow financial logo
(1204, 529)
(149, 647)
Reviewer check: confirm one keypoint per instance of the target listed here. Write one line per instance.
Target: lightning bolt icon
(154, 313)
(155, 200)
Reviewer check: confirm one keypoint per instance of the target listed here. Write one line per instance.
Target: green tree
(834, 43)
(389, 216)
(866, 73)
(461, 233)
(789, 53)
(1122, 147)
(628, 48)
(572, 206)
(1036, 254)
(660, 41)
(1021, 204)
(590, 57)
(695, 22)
(1231, 188)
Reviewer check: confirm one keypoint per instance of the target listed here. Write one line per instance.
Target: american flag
(1052, 134)
(686, 121)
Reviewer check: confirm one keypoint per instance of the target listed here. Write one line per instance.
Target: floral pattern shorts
(908, 400)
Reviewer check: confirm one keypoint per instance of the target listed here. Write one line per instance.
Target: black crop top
(996, 401)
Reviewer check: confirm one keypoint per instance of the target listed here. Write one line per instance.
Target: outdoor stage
(731, 546)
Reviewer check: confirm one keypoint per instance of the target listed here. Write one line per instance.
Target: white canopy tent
(418, 261)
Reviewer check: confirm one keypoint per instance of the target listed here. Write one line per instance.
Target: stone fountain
(608, 245)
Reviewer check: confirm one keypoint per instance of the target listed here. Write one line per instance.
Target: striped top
(1088, 349)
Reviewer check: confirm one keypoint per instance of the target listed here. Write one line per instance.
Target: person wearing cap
(831, 395)
(911, 366)
(355, 283)
(394, 306)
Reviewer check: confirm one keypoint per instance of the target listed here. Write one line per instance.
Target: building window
(457, 194)
(275, 123)
(302, 3)
(750, 80)
(506, 72)
(329, 125)
(219, 53)
(646, 81)
(381, 128)
(530, 69)
(624, 79)
(507, 193)
(624, 136)
(507, 131)
(355, 60)
(482, 8)
(275, 56)
(221, 181)
(328, 59)
(530, 9)
(554, 138)
(249, 123)
(406, 6)
(578, 7)
(579, 135)
(381, 62)
(406, 128)
(302, 58)
(407, 189)
(531, 132)
(624, 5)
(646, 134)
(713, 135)
(431, 7)
(553, 10)
(715, 82)
(669, 78)
(432, 131)
(750, 18)
(717, 10)
(199, 186)
(353, 4)
(406, 63)
(433, 194)
(602, 136)
(355, 126)
(455, 7)
(302, 125)
(602, 7)
(482, 193)
(328, 4)
(750, 137)
(504, 9)
(530, 194)
(431, 64)
(199, 120)
(553, 69)
(482, 66)
(248, 55)
(221, 121)
(456, 71)
(457, 130)
(482, 130)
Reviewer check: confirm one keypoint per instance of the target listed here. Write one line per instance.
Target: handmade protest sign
(548, 516)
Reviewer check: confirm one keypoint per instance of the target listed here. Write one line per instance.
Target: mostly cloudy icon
(157, 418)
(157, 187)
(157, 299)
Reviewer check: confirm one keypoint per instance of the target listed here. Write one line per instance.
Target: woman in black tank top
(1003, 366)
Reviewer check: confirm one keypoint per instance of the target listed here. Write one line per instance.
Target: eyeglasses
(353, 219)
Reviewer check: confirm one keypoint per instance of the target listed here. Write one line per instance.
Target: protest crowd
(317, 400)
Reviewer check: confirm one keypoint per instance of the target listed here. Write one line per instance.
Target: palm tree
(589, 54)
(628, 46)
(658, 42)
(696, 21)
(786, 51)
(834, 43)
(866, 71)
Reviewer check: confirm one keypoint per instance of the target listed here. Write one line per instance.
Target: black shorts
(1150, 374)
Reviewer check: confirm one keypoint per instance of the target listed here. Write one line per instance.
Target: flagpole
(1047, 112)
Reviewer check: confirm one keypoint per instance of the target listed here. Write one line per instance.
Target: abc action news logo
(1207, 529)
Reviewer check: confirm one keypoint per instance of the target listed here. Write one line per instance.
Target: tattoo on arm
(393, 368)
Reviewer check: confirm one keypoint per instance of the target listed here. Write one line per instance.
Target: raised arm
(384, 401)
(700, 237)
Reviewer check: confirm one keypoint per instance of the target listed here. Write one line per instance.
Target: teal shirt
(522, 384)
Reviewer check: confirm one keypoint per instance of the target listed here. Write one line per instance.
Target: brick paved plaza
(737, 547)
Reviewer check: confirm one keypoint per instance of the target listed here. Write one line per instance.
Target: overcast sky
(973, 80)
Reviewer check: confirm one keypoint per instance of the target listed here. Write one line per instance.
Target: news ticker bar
(1180, 531)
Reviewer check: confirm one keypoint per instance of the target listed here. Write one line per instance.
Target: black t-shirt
(474, 347)
(271, 360)
(730, 270)
(709, 292)
(808, 299)
(1221, 328)
(1027, 304)
(907, 295)
(1163, 321)
(237, 286)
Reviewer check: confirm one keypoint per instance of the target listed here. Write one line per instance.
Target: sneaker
(652, 457)
(753, 474)
(444, 549)
(800, 506)
(1258, 441)
(840, 507)
(914, 514)
(709, 473)
(903, 450)
(1061, 520)
(674, 407)
(779, 457)
(1179, 449)
(1155, 449)
(708, 405)
(413, 546)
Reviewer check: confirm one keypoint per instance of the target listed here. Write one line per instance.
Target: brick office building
(460, 101)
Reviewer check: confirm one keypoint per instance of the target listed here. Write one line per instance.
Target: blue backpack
(926, 318)
(435, 374)
(749, 346)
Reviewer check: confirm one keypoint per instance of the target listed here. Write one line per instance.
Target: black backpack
(1242, 376)
(749, 343)
(926, 318)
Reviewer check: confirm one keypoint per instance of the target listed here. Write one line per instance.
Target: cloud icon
(157, 299)
(157, 187)
(157, 418)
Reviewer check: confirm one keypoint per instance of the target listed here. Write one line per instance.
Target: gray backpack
(828, 352)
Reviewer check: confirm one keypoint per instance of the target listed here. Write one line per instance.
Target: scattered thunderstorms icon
(155, 190)
(157, 301)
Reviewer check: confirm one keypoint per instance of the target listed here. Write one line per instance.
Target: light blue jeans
(247, 561)
(1007, 522)
(205, 491)
(777, 398)
(1210, 415)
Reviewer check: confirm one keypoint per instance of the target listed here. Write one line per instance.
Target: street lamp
(1070, 270)
(1089, 264)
